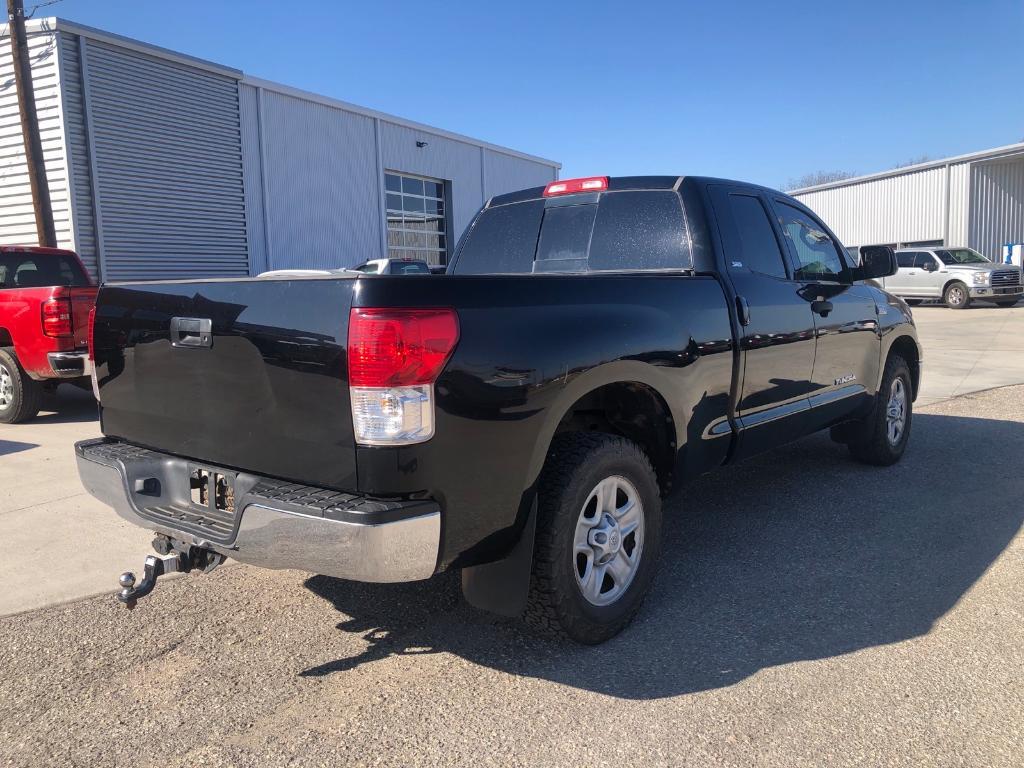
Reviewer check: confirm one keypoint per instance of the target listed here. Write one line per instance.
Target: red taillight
(92, 332)
(399, 347)
(57, 318)
(573, 186)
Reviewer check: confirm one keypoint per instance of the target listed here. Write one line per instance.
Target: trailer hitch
(170, 560)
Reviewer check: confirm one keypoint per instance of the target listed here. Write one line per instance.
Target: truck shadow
(69, 404)
(797, 555)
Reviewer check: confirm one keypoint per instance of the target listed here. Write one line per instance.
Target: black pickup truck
(594, 343)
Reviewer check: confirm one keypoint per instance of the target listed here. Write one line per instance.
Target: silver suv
(957, 276)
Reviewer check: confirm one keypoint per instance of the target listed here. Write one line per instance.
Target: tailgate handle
(191, 332)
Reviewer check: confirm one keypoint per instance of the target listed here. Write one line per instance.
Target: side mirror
(930, 266)
(875, 261)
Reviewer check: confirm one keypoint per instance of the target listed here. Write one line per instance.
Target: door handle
(822, 307)
(743, 310)
(191, 332)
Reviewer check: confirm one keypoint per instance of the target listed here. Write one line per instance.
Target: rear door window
(905, 260)
(502, 240)
(639, 230)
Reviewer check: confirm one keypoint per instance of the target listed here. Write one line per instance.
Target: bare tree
(816, 178)
(914, 161)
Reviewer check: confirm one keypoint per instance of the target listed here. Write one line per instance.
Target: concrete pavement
(809, 611)
(970, 350)
(55, 530)
(59, 543)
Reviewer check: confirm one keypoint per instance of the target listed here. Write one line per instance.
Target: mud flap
(502, 587)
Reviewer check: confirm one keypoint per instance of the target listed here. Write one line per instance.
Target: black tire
(872, 443)
(576, 464)
(913, 302)
(956, 295)
(1007, 303)
(19, 394)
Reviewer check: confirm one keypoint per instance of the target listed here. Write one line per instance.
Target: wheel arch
(623, 398)
(906, 346)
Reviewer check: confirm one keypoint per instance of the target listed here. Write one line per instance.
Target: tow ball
(169, 560)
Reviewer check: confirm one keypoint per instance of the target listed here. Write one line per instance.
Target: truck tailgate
(246, 374)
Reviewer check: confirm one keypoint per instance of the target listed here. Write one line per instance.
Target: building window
(417, 209)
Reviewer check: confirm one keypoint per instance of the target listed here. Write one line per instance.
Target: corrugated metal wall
(167, 160)
(323, 206)
(161, 166)
(959, 203)
(322, 195)
(252, 176)
(505, 173)
(890, 210)
(17, 220)
(997, 206)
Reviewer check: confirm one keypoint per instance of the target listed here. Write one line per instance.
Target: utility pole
(30, 125)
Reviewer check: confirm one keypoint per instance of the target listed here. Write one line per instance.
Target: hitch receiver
(156, 566)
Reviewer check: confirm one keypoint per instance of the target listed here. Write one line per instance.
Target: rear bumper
(70, 365)
(274, 524)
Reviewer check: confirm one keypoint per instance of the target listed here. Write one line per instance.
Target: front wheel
(598, 537)
(883, 435)
(956, 296)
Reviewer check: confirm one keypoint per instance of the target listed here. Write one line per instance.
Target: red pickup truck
(45, 299)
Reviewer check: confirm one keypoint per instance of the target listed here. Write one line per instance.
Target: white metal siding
(442, 158)
(891, 210)
(17, 218)
(323, 203)
(78, 152)
(168, 162)
(504, 173)
(252, 174)
(997, 206)
(959, 203)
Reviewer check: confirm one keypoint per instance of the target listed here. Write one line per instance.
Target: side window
(502, 240)
(816, 255)
(639, 230)
(757, 248)
(905, 259)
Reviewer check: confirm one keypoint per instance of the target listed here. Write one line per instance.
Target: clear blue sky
(760, 91)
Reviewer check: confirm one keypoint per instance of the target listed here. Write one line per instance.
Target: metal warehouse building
(975, 200)
(163, 166)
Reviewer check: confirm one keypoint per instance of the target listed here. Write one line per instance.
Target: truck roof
(625, 183)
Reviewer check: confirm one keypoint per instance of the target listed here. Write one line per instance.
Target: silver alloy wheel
(955, 295)
(609, 541)
(896, 412)
(6, 388)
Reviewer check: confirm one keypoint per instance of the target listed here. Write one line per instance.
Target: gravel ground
(809, 611)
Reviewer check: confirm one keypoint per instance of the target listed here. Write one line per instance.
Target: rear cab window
(40, 270)
(611, 231)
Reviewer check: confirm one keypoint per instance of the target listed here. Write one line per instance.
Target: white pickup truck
(957, 276)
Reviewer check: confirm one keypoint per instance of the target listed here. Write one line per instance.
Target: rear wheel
(957, 296)
(19, 394)
(598, 537)
(882, 438)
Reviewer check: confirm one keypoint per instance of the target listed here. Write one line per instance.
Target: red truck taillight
(394, 358)
(57, 318)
